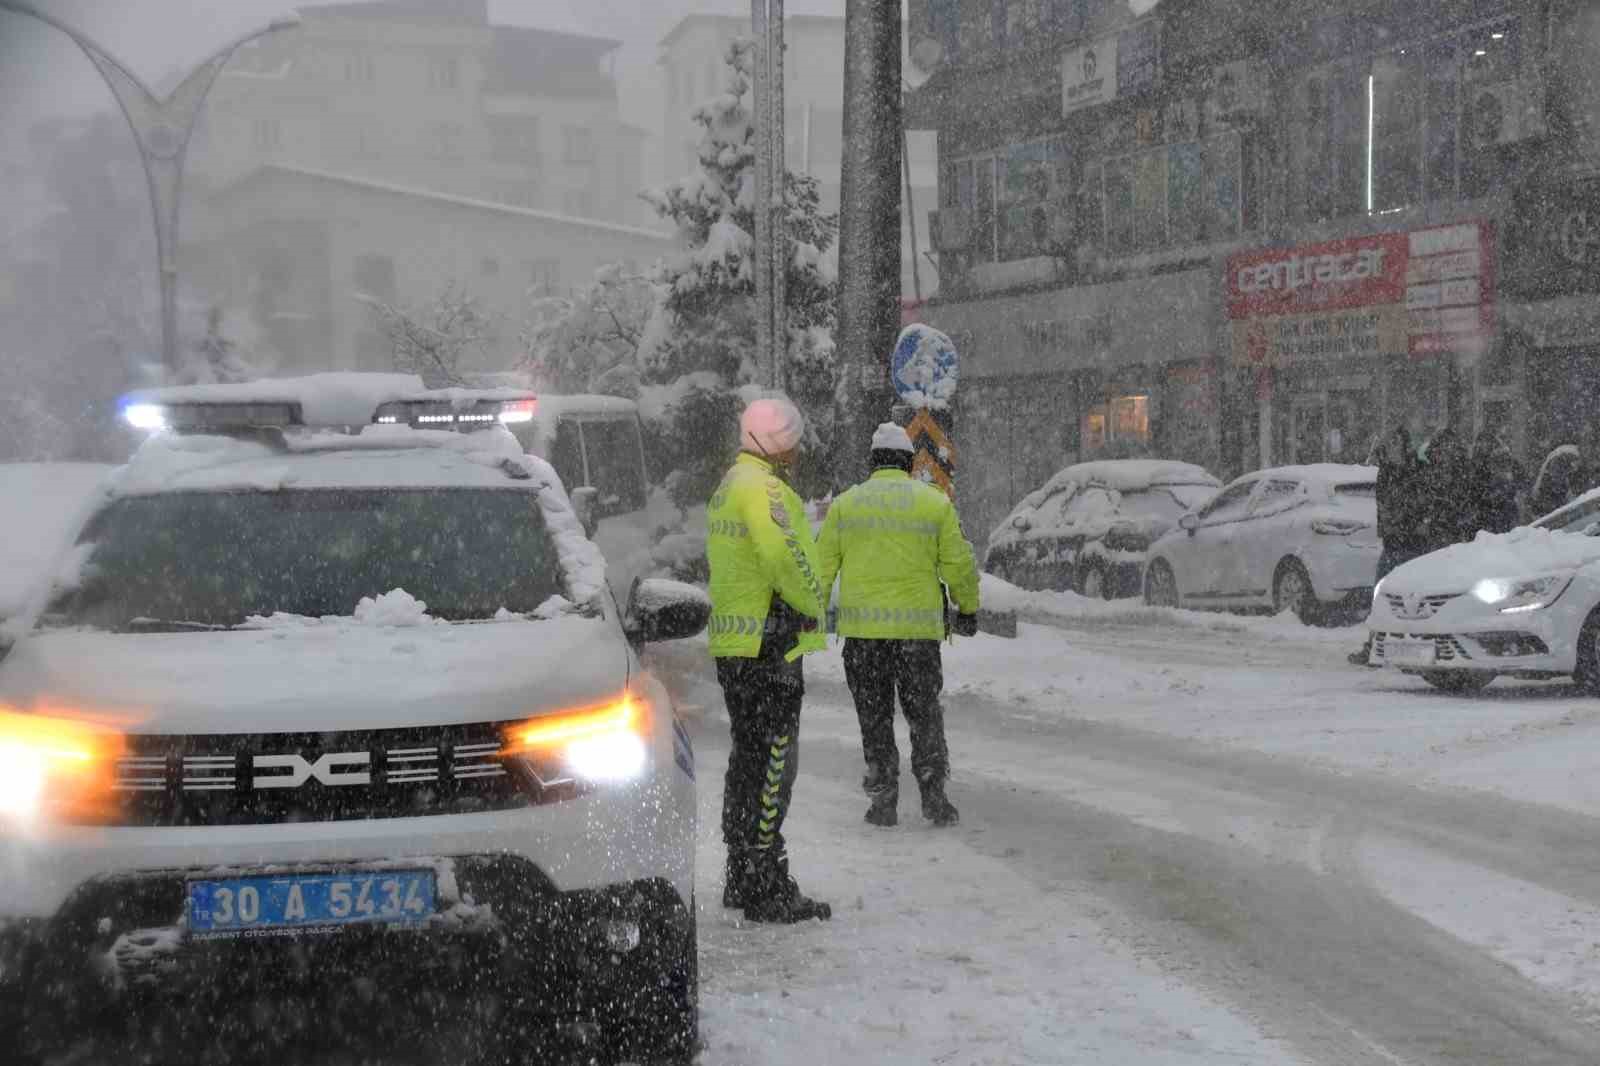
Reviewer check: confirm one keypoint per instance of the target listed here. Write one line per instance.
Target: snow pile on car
(1114, 475)
(44, 504)
(1523, 552)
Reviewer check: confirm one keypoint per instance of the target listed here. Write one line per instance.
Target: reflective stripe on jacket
(891, 541)
(760, 547)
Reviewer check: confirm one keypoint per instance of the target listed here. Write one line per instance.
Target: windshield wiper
(172, 625)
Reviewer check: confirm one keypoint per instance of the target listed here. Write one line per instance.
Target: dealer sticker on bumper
(303, 901)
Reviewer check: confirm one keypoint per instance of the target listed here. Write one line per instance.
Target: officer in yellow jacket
(893, 541)
(767, 607)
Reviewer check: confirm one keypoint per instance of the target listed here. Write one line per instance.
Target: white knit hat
(771, 426)
(891, 438)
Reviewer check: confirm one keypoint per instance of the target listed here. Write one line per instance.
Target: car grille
(248, 779)
(1418, 608)
(1446, 647)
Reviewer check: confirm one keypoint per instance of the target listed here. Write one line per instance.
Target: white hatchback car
(1524, 604)
(329, 731)
(1289, 538)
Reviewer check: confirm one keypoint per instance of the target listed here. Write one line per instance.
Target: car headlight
(602, 744)
(55, 767)
(1514, 595)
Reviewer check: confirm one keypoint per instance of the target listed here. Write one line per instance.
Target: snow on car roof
(1321, 473)
(1524, 552)
(336, 399)
(377, 457)
(1131, 475)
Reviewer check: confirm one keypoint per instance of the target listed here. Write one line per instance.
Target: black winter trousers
(763, 698)
(878, 670)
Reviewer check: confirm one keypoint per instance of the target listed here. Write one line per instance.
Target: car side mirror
(1022, 523)
(1189, 523)
(586, 502)
(659, 609)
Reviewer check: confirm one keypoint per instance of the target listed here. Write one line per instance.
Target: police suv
(328, 734)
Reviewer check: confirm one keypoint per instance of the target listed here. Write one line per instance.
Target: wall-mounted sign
(1386, 294)
(1118, 64)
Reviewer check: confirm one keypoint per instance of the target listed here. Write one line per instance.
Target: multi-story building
(1247, 234)
(693, 70)
(431, 95)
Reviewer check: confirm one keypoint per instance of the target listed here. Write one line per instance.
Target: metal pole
(761, 254)
(778, 229)
(911, 215)
(161, 129)
(869, 227)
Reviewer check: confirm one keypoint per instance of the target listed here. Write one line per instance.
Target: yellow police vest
(759, 545)
(891, 541)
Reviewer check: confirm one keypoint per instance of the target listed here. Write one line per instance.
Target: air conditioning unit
(951, 228)
(1503, 113)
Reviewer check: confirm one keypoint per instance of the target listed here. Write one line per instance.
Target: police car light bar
(451, 414)
(219, 417)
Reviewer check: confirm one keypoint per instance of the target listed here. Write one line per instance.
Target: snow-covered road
(1184, 839)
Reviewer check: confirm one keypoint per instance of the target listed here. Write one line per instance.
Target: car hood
(1521, 553)
(320, 676)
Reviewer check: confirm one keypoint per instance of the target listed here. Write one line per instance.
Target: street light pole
(161, 129)
(770, 260)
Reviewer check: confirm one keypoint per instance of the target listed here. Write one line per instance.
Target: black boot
(936, 806)
(736, 878)
(777, 898)
(885, 795)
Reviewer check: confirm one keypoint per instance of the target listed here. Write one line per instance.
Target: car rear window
(1364, 489)
(217, 558)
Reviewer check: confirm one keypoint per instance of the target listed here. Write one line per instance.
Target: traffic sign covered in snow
(924, 367)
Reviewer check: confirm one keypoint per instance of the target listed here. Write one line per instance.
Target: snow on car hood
(335, 674)
(1522, 552)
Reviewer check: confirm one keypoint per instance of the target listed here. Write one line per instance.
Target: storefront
(1345, 338)
(1057, 376)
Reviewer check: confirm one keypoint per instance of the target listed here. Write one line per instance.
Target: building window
(444, 72)
(360, 69)
(442, 141)
(1121, 418)
(367, 141)
(267, 134)
(1429, 122)
(518, 193)
(579, 203)
(373, 276)
(514, 139)
(1176, 194)
(578, 144)
(489, 268)
(997, 21)
(544, 276)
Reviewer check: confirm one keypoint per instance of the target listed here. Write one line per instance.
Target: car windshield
(1582, 517)
(195, 560)
(1162, 502)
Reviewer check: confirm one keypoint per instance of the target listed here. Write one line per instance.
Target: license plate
(301, 901)
(1410, 652)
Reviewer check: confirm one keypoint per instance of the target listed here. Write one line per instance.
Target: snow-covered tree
(698, 347)
(590, 341)
(432, 341)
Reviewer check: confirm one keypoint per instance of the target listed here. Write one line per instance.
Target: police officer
(767, 606)
(892, 541)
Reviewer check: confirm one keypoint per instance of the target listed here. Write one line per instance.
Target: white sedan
(1524, 603)
(1290, 538)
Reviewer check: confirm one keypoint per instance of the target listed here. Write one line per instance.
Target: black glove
(966, 625)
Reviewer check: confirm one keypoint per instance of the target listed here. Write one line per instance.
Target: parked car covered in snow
(331, 691)
(1290, 538)
(1524, 604)
(1087, 529)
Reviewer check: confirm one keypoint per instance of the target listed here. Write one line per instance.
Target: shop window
(1034, 192)
(1173, 195)
(1122, 419)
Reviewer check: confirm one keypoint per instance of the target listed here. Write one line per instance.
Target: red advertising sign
(1416, 293)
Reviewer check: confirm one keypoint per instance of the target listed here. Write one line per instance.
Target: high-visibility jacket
(892, 541)
(760, 547)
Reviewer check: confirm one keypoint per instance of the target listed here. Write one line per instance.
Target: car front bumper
(1535, 643)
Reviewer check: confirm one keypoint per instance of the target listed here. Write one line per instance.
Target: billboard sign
(1389, 294)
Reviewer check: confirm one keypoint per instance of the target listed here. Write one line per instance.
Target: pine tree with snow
(698, 348)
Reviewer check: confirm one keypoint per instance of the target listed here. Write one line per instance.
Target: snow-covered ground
(1186, 838)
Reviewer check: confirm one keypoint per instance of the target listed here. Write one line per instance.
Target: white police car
(1523, 604)
(328, 734)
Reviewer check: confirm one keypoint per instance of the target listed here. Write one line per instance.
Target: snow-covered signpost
(924, 370)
